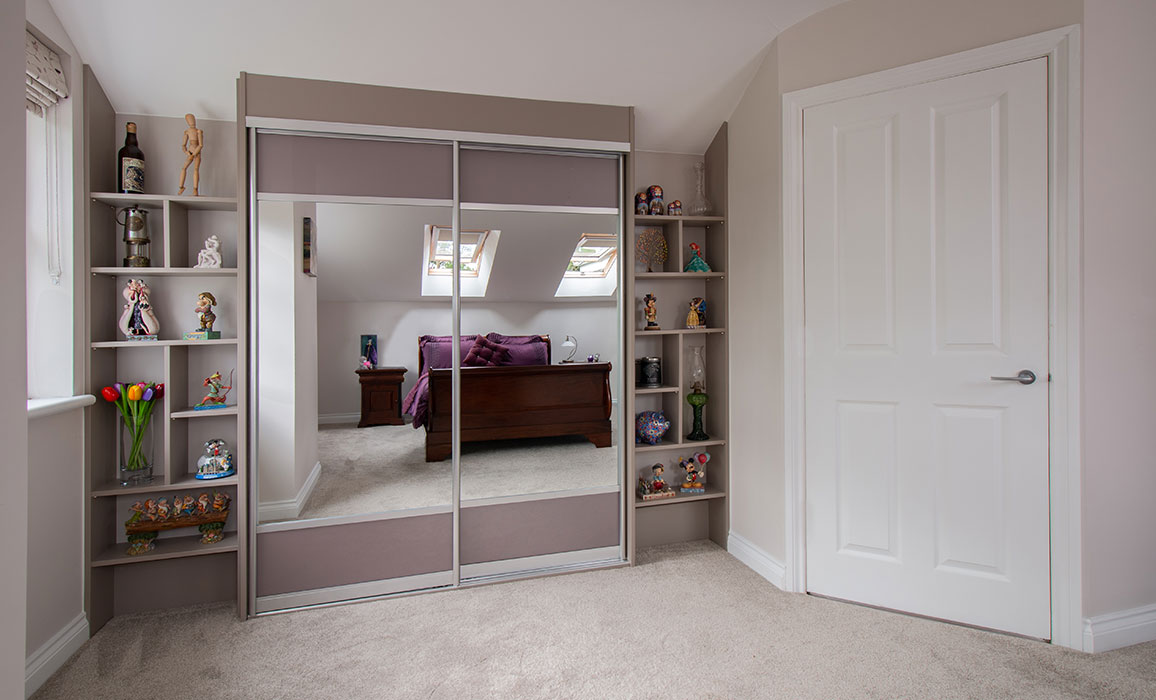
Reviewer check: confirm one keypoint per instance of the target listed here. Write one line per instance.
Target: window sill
(39, 408)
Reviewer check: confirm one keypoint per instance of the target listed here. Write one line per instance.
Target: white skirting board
(46, 660)
(338, 418)
(290, 509)
(1120, 629)
(758, 560)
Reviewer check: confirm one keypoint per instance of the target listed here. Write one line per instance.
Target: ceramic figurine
(696, 263)
(138, 321)
(674, 208)
(204, 311)
(695, 469)
(210, 256)
(363, 363)
(641, 206)
(149, 519)
(655, 488)
(218, 392)
(216, 463)
(650, 310)
(696, 317)
(650, 426)
(193, 144)
(203, 503)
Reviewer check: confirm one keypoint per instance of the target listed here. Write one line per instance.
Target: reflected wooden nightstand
(381, 396)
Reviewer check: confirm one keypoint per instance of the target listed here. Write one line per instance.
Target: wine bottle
(130, 163)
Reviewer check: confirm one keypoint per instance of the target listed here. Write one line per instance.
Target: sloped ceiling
(682, 63)
(368, 253)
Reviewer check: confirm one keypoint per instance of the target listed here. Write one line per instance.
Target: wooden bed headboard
(545, 338)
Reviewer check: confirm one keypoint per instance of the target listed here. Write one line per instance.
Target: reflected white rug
(370, 470)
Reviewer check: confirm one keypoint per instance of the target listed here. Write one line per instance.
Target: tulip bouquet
(135, 403)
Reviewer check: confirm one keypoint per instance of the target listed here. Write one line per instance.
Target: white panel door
(926, 273)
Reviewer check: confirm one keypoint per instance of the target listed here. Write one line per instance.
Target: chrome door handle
(1026, 376)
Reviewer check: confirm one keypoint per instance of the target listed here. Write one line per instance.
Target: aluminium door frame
(1062, 49)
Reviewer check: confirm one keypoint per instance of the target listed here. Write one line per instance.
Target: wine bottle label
(132, 175)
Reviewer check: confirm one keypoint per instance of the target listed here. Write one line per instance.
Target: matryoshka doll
(674, 208)
(641, 206)
(654, 196)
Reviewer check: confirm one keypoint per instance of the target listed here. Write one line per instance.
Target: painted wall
(1119, 335)
(13, 406)
(286, 379)
(55, 573)
(854, 38)
(674, 172)
(55, 533)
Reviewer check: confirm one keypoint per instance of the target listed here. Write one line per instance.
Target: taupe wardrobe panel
(533, 528)
(518, 177)
(350, 103)
(320, 165)
(336, 555)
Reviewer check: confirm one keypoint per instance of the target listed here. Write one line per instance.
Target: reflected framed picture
(308, 248)
(369, 350)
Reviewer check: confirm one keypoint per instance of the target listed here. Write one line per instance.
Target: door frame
(1062, 49)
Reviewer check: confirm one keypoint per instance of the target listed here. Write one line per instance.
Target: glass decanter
(700, 205)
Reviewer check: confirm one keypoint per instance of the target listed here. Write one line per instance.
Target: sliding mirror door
(540, 445)
(347, 330)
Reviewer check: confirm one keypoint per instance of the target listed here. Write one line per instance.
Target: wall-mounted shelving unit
(180, 570)
(685, 516)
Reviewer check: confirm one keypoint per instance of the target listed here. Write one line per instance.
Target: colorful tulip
(148, 394)
(110, 393)
(134, 393)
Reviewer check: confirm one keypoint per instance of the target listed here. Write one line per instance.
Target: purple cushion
(435, 350)
(486, 353)
(524, 349)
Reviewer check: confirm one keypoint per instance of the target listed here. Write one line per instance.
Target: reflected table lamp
(572, 344)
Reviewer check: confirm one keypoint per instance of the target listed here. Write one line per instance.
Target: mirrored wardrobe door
(350, 321)
(540, 457)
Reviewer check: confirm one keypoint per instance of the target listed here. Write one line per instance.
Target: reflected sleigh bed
(513, 392)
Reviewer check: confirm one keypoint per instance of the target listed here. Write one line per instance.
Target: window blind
(44, 83)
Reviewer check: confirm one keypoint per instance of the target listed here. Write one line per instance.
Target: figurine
(205, 303)
(193, 144)
(138, 322)
(654, 198)
(216, 463)
(218, 392)
(143, 526)
(203, 503)
(363, 363)
(674, 208)
(210, 257)
(696, 317)
(649, 490)
(658, 484)
(650, 310)
(696, 263)
(695, 480)
(650, 426)
(650, 248)
(641, 206)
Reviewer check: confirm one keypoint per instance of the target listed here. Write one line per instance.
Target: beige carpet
(383, 468)
(689, 622)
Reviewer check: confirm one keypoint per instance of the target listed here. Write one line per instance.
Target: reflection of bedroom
(372, 264)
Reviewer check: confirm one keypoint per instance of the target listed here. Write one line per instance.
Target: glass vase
(700, 205)
(697, 398)
(134, 459)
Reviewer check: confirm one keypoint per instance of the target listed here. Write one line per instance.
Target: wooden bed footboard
(504, 402)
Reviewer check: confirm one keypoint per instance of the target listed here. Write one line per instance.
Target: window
(441, 254)
(593, 256)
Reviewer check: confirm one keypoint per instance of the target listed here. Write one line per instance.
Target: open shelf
(679, 275)
(656, 390)
(681, 445)
(114, 489)
(640, 220)
(166, 271)
(681, 331)
(711, 492)
(204, 412)
(114, 199)
(159, 343)
(175, 548)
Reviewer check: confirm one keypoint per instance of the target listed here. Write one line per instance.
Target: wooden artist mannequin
(192, 145)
